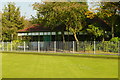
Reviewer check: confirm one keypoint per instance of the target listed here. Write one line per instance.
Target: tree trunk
(63, 37)
(113, 22)
(103, 39)
(75, 36)
(112, 30)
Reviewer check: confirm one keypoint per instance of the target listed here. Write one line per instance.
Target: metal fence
(94, 47)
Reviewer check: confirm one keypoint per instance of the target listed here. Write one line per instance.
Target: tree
(70, 15)
(11, 22)
(27, 23)
(95, 30)
(48, 16)
(75, 19)
(108, 13)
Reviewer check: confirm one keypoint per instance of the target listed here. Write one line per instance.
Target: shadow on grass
(68, 55)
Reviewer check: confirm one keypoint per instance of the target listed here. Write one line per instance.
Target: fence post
(55, 46)
(118, 47)
(7, 46)
(24, 46)
(38, 46)
(73, 46)
(11, 45)
(94, 47)
(2, 46)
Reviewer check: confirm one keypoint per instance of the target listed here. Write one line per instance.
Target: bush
(115, 39)
(108, 46)
(15, 44)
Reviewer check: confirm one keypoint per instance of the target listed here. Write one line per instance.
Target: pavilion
(37, 32)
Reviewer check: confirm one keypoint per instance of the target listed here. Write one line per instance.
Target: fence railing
(94, 47)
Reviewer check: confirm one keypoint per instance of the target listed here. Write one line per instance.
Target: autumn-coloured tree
(108, 13)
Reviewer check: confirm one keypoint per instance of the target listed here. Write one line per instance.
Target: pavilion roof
(41, 28)
(35, 28)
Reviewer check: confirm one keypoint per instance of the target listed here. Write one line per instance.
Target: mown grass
(58, 65)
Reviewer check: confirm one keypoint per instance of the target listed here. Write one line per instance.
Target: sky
(26, 8)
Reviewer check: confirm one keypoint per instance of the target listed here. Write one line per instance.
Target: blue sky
(26, 8)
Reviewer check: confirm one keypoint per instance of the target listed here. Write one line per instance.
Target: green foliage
(15, 44)
(54, 14)
(115, 39)
(110, 46)
(95, 30)
(88, 46)
(11, 22)
(73, 16)
(108, 13)
(106, 46)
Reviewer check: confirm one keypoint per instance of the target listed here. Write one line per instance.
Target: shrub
(15, 44)
(115, 39)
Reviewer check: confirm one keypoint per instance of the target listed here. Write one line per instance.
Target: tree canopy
(108, 12)
(11, 22)
(55, 14)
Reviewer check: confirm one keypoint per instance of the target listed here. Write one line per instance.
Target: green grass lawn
(56, 66)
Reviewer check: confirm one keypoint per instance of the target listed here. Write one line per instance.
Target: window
(41, 33)
(33, 33)
(49, 33)
(19, 34)
(36, 33)
(70, 33)
(45, 33)
(66, 33)
(53, 33)
(25, 34)
(29, 33)
(59, 32)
